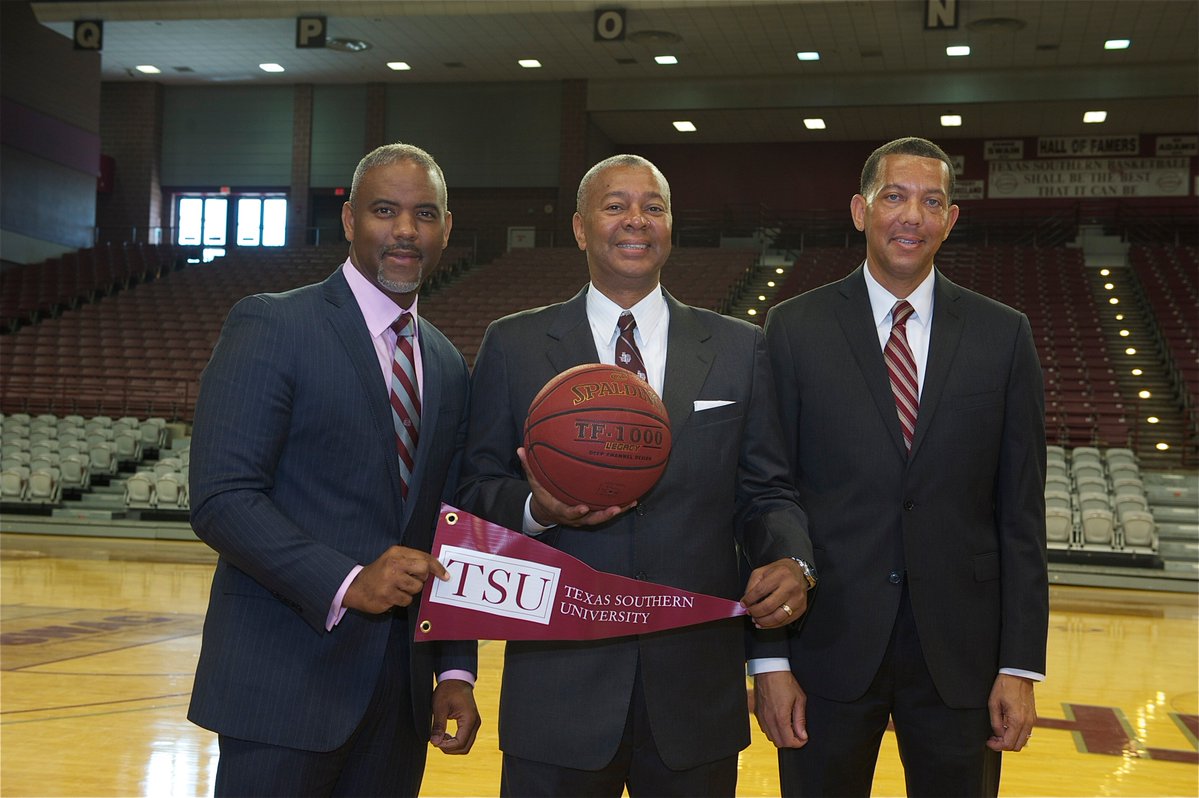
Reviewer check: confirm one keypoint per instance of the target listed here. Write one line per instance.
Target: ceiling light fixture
(814, 124)
(683, 126)
(1117, 44)
(951, 120)
(1094, 117)
(398, 66)
(808, 55)
(666, 60)
(270, 67)
(148, 69)
(529, 63)
(957, 50)
(347, 45)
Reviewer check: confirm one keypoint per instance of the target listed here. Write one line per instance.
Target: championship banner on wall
(507, 586)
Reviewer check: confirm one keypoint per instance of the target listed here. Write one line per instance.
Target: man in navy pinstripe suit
(307, 671)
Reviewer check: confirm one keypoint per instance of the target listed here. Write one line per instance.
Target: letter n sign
(609, 25)
(940, 14)
(310, 31)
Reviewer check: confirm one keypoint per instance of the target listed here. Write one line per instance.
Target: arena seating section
(102, 356)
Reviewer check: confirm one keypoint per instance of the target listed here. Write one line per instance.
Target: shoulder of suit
(720, 323)
(981, 303)
(538, 317)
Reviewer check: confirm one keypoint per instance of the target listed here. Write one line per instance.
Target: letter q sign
(89, 34)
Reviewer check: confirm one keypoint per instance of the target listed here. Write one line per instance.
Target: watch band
(808, 571)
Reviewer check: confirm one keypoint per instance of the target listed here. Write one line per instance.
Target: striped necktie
(405, 398)
(628, 356)
(902, 368)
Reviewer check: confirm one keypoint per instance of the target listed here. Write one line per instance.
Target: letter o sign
(609, 25)
(89, 34)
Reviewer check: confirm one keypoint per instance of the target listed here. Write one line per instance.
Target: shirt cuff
(530, 525)
(465, 676)
(1036, 677)
(337, 611)
(767, 665)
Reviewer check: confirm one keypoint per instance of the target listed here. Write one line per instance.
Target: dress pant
(637, 765)
(943, 750)
(384, 756)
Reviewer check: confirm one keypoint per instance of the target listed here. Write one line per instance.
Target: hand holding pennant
(506, 586)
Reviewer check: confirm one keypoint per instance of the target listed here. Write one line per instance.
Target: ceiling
(1035, 65)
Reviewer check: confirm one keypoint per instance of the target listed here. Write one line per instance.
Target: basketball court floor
(99, 640)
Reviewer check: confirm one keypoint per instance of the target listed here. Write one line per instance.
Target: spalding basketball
(597, 435)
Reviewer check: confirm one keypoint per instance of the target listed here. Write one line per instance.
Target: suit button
(895, 577)
(908, 504)
(642, 575)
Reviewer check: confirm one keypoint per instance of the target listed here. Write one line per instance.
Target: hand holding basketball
(550, 511)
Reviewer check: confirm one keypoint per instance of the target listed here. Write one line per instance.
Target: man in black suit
(323, 520)
(926, 505)
(663, 713)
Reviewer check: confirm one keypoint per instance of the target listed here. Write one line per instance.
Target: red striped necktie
(902, 368)
(405, 398)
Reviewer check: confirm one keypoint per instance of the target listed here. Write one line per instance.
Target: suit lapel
(857, 323)
(346, 320)
(571, 342)
(688, 360)
(942, 348)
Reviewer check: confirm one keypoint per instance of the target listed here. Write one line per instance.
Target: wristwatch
(809, 572)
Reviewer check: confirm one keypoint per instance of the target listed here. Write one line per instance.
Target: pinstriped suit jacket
(294, 480)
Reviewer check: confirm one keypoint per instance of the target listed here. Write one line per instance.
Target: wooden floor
(100, 637)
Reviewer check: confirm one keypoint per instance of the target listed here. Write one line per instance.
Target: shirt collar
(602, 313)
(378, 309)
(882, 301)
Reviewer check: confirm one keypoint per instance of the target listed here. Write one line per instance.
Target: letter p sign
(310, 31)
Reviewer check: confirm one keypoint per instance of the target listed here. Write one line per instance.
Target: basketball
(597, 435)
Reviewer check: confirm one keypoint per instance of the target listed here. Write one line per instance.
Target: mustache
(409, 248)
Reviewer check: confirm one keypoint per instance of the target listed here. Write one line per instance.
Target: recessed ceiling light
(1094, 117)
(149, 69)
(270, 67)
(814, 124)
(1117, 44)
(666, 60)
(808, 55)
(951, 120)
(683, 126)
(957, 50)
(398, 66)
(529, 63)
(347, 45)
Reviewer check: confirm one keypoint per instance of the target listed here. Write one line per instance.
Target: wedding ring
(787, 609)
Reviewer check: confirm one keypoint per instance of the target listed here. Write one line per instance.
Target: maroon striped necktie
(902, 368)
(405, 398)
(628, 356)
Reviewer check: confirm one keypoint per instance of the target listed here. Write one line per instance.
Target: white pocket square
(708, 404)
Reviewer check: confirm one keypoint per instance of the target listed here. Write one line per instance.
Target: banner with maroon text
(507, 586)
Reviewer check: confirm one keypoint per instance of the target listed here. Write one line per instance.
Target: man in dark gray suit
(919, 454)
(663, 713)
(299, 474)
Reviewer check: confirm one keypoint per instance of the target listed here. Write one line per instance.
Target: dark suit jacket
(565, 703)
(294, 480)
(963, 516)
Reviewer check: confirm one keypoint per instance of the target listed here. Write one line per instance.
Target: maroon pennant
(507, 586)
